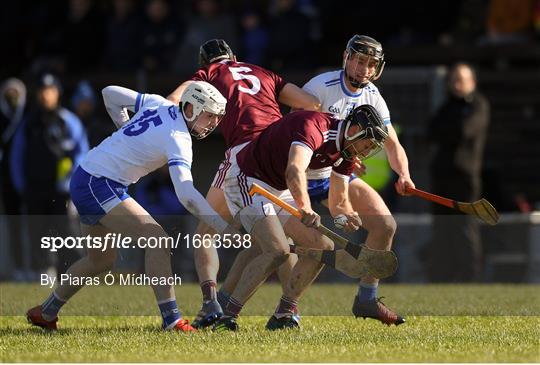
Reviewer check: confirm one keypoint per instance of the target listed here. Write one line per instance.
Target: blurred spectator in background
(470, 21)
(160, 35)
(208, 21)
(83, 36)
(46, 148)
(83, 102)
(123, 39)
(290, 45)
(255, 38)
(43, 23)
(12, 108)
(459, 131)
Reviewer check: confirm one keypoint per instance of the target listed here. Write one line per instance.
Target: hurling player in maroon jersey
(277, 160)
(253, 95)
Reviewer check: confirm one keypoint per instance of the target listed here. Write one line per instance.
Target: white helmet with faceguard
(362, 44)
(204, 98)
(363, 123)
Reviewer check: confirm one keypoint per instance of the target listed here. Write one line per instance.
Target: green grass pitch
(445, 323)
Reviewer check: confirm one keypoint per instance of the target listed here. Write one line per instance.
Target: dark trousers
(455, 251)
(11, 202)
(47, 217)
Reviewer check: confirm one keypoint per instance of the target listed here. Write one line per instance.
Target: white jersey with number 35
(156, 135)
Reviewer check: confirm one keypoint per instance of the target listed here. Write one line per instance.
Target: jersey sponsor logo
(172, 112)
(141, 124)
(199, 100)
(334, 109)
(349, 107)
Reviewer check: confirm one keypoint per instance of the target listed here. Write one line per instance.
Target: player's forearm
(291, 95)
(297, 184)
(118, 100)
(193, 201)
(338, 196)
(177, 93)
(340, 207)
(397, 158)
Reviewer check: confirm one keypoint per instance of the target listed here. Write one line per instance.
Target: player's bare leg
(207, 262)
(207, 259)
(94, 263)
(284, 271)
(241, 261)
(268, 234)
(130, 219)
(381, 227)
(304, 272)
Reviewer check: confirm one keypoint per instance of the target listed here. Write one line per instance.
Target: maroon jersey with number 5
(252, 98)
(266, 157)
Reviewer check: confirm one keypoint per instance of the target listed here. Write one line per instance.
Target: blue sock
(169, 313)
(51, 307)
(367, 292)
(222, 298)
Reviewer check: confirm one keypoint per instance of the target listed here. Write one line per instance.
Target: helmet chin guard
(366, 46)
(371, 127)
(204, 98)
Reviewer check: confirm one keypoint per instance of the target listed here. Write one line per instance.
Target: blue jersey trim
(178, 163)
(137, 101)
(344, 87)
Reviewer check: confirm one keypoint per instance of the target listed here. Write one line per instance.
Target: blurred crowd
(46, 128)
(77, 36)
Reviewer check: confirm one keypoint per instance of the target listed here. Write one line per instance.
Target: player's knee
(103, 263)
(278, 257)
(204, 229)
(325, 243)
(249, 253)
(387, 226)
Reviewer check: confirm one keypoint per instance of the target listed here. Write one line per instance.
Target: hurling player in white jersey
(339, 92)
(157, 134)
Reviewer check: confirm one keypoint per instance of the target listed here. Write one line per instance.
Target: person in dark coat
(458, 129)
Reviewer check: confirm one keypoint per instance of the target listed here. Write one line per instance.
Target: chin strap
(355, 83)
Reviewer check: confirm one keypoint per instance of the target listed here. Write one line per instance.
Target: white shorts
(225, 165)
(252, 208)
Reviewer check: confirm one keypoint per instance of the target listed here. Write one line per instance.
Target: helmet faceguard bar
(204, 98)
(366, 46)
(209, 128)
(371, 128)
